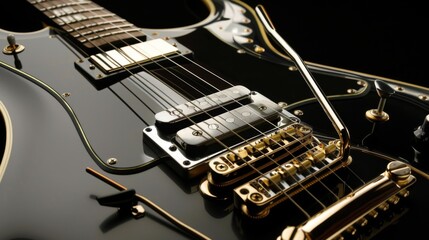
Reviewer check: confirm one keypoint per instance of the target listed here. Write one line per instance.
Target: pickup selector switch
(13, 47)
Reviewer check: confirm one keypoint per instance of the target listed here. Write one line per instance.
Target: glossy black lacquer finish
(45, 192)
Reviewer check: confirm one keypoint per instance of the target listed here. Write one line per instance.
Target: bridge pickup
(238, 117)
(229, 128)
(197, 110)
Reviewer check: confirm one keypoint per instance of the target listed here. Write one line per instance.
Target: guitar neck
(89, 24)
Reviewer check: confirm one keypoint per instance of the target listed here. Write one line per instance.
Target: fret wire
(305, 190)
(92, 31)
(86, 16)
(73, 18)
(95, 24)
(107, 34)
(69, 11)
(111, 33)
(92, 17)
(49, 6)
(118, 33)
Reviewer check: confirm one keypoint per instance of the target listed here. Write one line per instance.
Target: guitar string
(327, 188)
(227, 82)
(256, 169)
(292, 155)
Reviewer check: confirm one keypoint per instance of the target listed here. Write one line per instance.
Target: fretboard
(88, 23)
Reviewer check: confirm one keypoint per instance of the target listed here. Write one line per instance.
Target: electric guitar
(214, 130)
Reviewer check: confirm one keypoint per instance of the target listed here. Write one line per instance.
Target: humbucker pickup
(230, 127)
(185, 114)
(194, 132)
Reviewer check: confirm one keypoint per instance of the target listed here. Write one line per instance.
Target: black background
(386, 40)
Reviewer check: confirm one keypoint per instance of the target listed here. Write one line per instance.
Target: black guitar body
(57, 122)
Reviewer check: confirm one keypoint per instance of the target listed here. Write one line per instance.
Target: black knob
(384, 91)
(421, 142)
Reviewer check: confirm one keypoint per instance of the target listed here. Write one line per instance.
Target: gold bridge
(289, 158)
(353, 210)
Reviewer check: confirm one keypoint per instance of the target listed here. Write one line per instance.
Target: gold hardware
(293, 68)
(149, 203)
(13, 47)
(393, 182)
(137, 211)
(112, 161)
(298, 112)
(423, 97)
(384, 91)
(259, 49)
(351, 90)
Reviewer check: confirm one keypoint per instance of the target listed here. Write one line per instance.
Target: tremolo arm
(321, 97)
(349, 211)
(259, 157)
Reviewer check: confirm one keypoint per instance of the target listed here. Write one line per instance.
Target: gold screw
(256, 197)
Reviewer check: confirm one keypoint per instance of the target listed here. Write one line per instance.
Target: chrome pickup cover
(230, 127)
(179, 116)
(232, 117)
